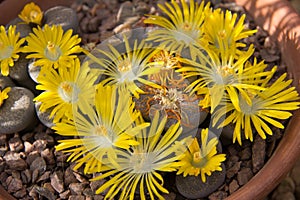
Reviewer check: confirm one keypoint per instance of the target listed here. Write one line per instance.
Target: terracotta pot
(283, 24)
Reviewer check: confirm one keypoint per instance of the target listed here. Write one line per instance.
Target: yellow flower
(204, 160)
(183, 29)
(71, 86)
(9, 48)
(223, 31)
(123, 69)
(225, 74)
(265, 108)
(107, 126)
(50, 46)
(31, 13)
(141, 164)
(4, 95)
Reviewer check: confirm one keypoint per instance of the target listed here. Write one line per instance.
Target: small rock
(68, 20)
(26, 176)
(69, 176)
(244, 176)
(13, 184)
(17, 112)
(44, 136)
(192, 186)
(35, 175)
(31, 157)
(48, 155)
(57, 181)
(126, 11)
(88, 192)
(39, 145)
(19, 73)
(233, 186)
(44, 176)
(246, 153)
(45, 192)
(170, 196)
(44, 117)
(231, 172)
(38, 164)
(77, 188)
(76, 197)
(20, 193)
(15, 144)
(23, 28)
(93, 25)
(5, 81)
(14, 161)
(258, 153)
(65, 194)
(217, 195)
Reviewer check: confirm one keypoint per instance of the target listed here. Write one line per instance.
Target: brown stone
(57, 181)
(14, 161)
(15, 144)
(233, 186)
(231, 172)
(258, 153)
(13, 184)
(244, 176)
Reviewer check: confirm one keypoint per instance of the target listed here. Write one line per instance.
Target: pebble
(17, 112)
(77, 188)
(5, 81)
(23, 28)
(68, 20)
(44, 117)
(244, 175)
(13, 184)
(57, 181)
(258, 153)
(15, 144)
(19, 73)
(193, 187)
(45, 192)
(15, 161)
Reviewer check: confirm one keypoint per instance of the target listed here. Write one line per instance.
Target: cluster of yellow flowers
(95, 107)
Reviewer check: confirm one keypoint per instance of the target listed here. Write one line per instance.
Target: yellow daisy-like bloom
(183, 29)
(275, 102)
(141, 164)
(223, 31)
(9, 48)
(224, 74)
(51, 47)
(31, 13)
(67, 87)
(4, 95)
(124, 69)
(107, 126)
(204, 160)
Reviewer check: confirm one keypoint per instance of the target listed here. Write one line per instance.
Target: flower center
(222, 34)
(124, 66)
(68, 92)
(224, 75)
(198, 160)
(142, 162)
(5, 51)
(187, 27)
(101, 130)
(52, 52)
(33, 15)
(169, 98)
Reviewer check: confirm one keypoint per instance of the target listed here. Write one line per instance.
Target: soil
(31, 168)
